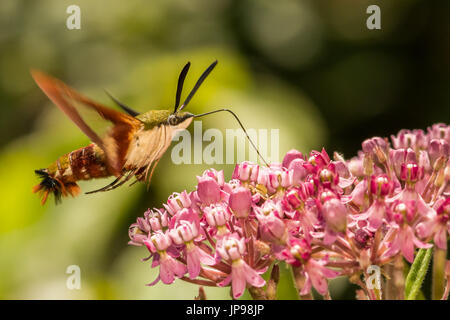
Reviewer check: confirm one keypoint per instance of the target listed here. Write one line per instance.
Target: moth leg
(107, 186)
(128, 177)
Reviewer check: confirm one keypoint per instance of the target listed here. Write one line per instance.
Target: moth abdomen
(60, 178)
(85, 163)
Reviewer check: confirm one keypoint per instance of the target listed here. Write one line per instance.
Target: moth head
(176, 118)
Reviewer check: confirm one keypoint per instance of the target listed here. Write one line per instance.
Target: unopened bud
(262, 247)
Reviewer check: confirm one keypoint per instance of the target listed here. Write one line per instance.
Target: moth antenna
(125, 108)
(181, 78)
(242, 127)
(197, 85)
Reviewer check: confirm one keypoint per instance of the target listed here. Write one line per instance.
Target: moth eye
(173, 120)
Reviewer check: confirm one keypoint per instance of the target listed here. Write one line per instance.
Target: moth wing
(115, 142)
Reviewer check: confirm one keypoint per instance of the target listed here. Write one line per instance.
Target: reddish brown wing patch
(117, 140)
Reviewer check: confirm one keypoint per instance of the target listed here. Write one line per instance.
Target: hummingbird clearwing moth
(131, 147)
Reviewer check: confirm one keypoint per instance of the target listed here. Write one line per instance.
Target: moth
(130, 148)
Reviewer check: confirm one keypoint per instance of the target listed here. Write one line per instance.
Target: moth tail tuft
(50, 185)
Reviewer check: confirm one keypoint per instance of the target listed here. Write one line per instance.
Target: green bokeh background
(308, 68)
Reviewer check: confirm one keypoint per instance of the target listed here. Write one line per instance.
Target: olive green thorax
(154, 118)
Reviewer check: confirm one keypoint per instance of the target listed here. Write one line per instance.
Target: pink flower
(185, 233)
(415, 139)
(158, 219)
(241, 202)
(217, 216)
(410, 172)
(294, 206)
(335, 214)
(275, 178)
(153, 220)
(137, 236)
(299, 171)
(437, 149)
(356, 165)
(380, 187)
(410, 194)
(438, 224)
(232, 248)
(272, 227)
(377, 147)
(176, 202)
(208, 190)
(299, 254)
(319, 159)
(216, 175)
(246, 171)
(439, 131)
(317, 275)
(404, 239)
(169, 267)
(290, 156)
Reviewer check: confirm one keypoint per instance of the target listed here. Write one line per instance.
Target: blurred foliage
(308, 68)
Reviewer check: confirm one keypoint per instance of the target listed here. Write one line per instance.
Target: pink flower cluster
(324, 217)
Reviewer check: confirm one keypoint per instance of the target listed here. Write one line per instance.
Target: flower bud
(335, 214)
(272, 228)
(361, 238)
(241, 202)
(376, 147)
(299, 172)
(208, 190)
(355, 166)
(290, 156)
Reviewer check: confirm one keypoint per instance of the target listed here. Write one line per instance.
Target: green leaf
(417, 273)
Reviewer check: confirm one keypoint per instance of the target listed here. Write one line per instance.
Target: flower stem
(438, 283)
(417, 273)
(257, 293)
(201, 294)
(398, 277)
(272, 284)
(389, 287)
